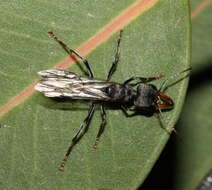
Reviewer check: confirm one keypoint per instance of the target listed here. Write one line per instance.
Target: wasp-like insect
(137, 97)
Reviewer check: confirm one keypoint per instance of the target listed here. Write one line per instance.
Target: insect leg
(116, 58)
(3, 126)
(126, 113)
(142, 79)
(70, 52)
(83, 129)
(102, 126)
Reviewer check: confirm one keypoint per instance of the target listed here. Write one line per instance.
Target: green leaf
(193, 160)
(156, 42)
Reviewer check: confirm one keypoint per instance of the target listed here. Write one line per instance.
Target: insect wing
(61, 83)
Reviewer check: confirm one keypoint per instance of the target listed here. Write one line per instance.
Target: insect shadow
(135, 96)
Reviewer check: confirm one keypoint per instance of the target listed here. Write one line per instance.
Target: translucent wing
(61, 83)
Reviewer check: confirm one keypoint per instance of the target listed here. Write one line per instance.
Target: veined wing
(62, 83)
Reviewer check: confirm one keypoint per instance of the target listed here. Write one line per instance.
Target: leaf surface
(193, 156)
(156, 42)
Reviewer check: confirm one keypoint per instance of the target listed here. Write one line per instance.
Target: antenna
(165, 85)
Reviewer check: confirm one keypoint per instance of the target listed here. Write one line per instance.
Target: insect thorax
(121, 93)
(146, 98)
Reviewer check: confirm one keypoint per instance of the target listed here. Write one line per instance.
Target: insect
(133, 95)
